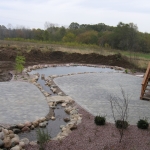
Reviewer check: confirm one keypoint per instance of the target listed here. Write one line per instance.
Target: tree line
(122, 37)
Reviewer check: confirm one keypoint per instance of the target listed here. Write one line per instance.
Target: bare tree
(120, 111)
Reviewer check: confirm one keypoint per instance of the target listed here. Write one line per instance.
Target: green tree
(69, 37)
(88, 37)
(19, 63)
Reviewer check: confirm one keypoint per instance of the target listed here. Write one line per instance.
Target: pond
(53, 127)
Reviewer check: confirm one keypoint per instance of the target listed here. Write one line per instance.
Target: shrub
(19, 62)
(100, 120)
(42, 137)
(121, 124)
(143, 124)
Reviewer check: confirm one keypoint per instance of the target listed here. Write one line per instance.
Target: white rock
(63, 104)
(17, 147)
(25, 140)
(53, 118)
(22, 144)
(33, 143)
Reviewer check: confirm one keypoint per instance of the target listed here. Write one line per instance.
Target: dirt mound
(37, 56)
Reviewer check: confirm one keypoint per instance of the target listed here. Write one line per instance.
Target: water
(53, 127)
(67, 70)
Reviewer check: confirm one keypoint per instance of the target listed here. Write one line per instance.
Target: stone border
(9, 137)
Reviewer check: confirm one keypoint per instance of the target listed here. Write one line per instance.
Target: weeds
(42, 137)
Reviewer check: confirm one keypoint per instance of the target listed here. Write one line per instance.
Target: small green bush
(100, 120)
(126, 71)
(143, 124)
(121, 124)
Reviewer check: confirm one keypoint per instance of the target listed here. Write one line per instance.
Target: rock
(0, 129)
(60, 93)
(43, 76)
(53, 90)
(22, 144)
(7, 142)
(32, 127)
(61, 126)
(5, 131)
(1, 135)
(17, 147)
(33, 143)
(25, 140)
(20, 126)
(63, 104)
(27, 124)
(16, 131)
(53, 118)
(26, 129)
(10, 132)
(12, 127)
(42, 119)
(73, 112)
(73, 127)
(1, 143)
(43, 124)
(66, 119)
(35, 123)
(67, 65)
(11, 135)
(15, 140)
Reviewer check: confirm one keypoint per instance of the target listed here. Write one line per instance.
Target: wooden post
(145, 81)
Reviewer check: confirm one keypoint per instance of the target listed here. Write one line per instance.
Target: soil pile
(36, 56)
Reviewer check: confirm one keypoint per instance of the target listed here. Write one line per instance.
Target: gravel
(89, 136)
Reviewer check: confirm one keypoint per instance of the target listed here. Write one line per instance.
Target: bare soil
(35, 56)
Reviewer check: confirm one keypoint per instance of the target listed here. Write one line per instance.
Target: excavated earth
(36, 56)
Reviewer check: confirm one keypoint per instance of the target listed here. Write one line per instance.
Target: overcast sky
(34, 13)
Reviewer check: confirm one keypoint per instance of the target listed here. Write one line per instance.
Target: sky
(34, 13)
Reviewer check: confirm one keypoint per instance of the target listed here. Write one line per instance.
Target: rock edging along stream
(8, 134)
